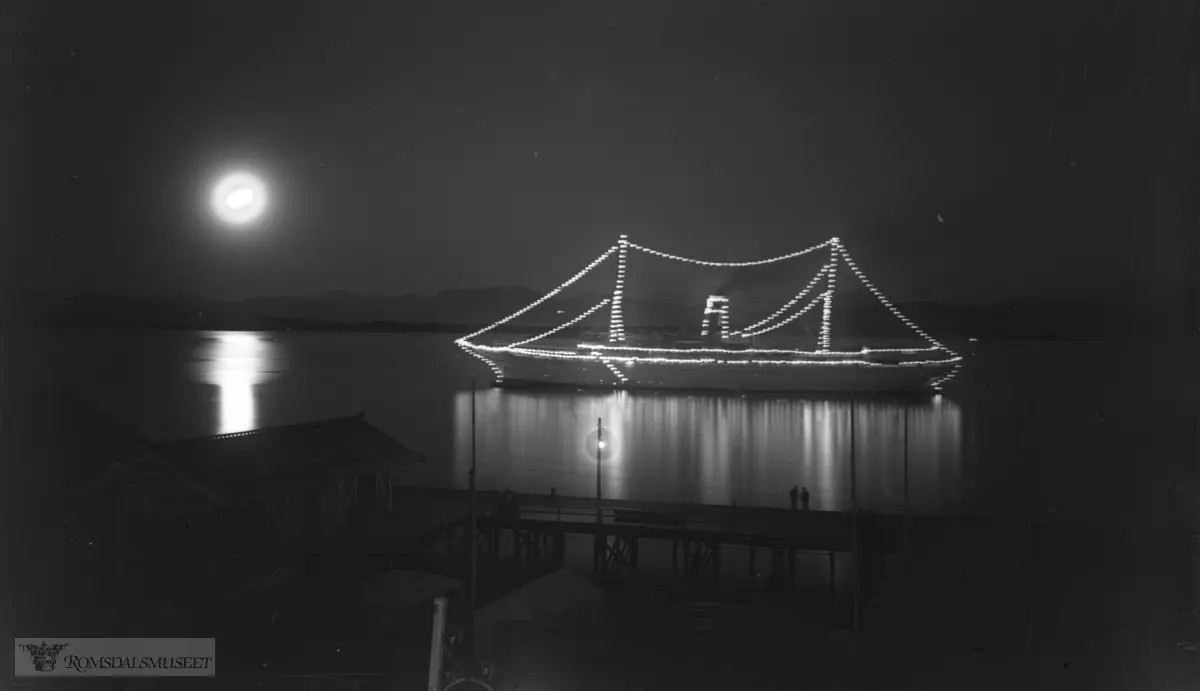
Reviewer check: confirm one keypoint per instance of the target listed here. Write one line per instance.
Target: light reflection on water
(235, 362)
(666, 447)
(716, 450)
(1019, 433)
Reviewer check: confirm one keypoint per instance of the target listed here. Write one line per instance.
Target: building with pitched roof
(214, 518)
(298, 482)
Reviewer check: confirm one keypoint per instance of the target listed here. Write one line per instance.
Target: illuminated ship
(722, 358)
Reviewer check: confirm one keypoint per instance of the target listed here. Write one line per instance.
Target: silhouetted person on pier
(553, 494)
(878, 535)
(794, 495)
(776, 580)
(803, 498)
(509, 503)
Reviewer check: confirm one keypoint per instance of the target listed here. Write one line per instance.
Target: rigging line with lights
(616, 352)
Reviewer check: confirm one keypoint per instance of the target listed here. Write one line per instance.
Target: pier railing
(796, 529)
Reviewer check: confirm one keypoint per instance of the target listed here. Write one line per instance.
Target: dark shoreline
(280, 326)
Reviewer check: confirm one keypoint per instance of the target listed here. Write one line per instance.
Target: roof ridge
(273, 428)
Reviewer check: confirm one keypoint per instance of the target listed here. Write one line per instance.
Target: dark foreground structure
(538, 526)
(997, 605)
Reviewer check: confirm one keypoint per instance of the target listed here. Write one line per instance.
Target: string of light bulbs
(777, 351)
(938, 383)
(788, 305)
(787, 321)
(701, 262)
(560, 327)
(616, 372)
(544, 298)
(887, 303)
(718, 305)
(633, 360)
(496, 369)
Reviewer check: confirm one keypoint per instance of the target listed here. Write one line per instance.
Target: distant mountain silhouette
(458, 310)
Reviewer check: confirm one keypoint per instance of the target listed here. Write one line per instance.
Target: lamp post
(854, 516)
(435, 650)
(473, 558)
(599, 451)
(907, 554)
(853, 463)
(598, 558)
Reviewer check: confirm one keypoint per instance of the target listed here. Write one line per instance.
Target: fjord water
(1026, 428)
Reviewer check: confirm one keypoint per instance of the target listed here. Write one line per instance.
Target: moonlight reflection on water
(234, 362)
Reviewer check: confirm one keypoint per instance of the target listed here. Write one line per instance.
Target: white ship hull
(519, 370)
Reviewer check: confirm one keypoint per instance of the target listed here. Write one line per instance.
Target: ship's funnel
(716, 318)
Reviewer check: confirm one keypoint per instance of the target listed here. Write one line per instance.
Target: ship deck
(730, 352)
(743, 373)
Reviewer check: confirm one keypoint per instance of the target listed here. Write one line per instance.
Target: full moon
(239, 198)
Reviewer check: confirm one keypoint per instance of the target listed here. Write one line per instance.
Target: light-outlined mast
(827, 311)
(616, 321)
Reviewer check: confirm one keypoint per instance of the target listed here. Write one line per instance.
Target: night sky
(412, 147)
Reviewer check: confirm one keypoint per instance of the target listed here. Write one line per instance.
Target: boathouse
(216, 516)
(108, 518)
(295, 484)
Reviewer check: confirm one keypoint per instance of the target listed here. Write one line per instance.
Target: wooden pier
(538, 525)
(816, 530)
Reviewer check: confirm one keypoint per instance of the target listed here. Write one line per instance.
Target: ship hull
(526, 371)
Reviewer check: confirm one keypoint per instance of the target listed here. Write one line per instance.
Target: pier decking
(538, 525)
(821, 530)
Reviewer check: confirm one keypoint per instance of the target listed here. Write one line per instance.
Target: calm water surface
(1027, 427)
